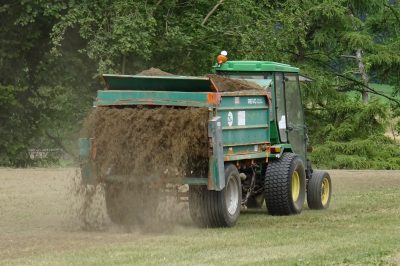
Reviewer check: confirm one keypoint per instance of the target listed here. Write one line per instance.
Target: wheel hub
(325, 191)
(232, 196)
(295, 186)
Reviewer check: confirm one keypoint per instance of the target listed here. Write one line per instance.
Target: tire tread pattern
(277, 186)
(206, 206)
(314, 191)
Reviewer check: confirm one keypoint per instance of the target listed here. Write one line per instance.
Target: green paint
(245, 125)
(84, 148)
(170, 98)
(86, 165)
(274, 133)
(216, 171)
(255, 66)
(252, 155)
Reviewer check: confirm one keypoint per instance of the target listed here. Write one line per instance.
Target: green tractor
(257, 140)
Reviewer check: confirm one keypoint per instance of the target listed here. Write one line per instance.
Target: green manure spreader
(257, 140)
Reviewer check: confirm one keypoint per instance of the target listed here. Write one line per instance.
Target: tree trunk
(364, 75)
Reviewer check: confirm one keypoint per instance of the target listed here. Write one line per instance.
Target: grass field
(38, 227)
(381, 88)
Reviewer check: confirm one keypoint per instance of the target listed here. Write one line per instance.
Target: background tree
(52, 53)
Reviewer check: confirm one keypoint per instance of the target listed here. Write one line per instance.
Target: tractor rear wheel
(129, 204)
(319, 190)
(285, 185)
(210, 208)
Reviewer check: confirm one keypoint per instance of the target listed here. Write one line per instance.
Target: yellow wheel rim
(295, 186)
(325, 191)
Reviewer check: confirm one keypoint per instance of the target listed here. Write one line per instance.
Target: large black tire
(129, 204)
(285, 185)
(319, 191)
(210, 208)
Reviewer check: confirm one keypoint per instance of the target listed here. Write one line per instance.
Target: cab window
(280, 106)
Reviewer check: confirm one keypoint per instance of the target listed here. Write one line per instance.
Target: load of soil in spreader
(223, 84)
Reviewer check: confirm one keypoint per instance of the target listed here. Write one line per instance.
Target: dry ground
(38, 223)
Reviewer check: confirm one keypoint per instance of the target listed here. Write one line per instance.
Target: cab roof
(256, 66)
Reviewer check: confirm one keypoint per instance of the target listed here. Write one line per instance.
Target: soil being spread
(144, 143)
(145, 149)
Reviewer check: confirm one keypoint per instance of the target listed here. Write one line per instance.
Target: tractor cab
(282, 82)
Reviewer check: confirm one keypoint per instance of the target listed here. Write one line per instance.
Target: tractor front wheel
(210, 208)
(319, 191)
